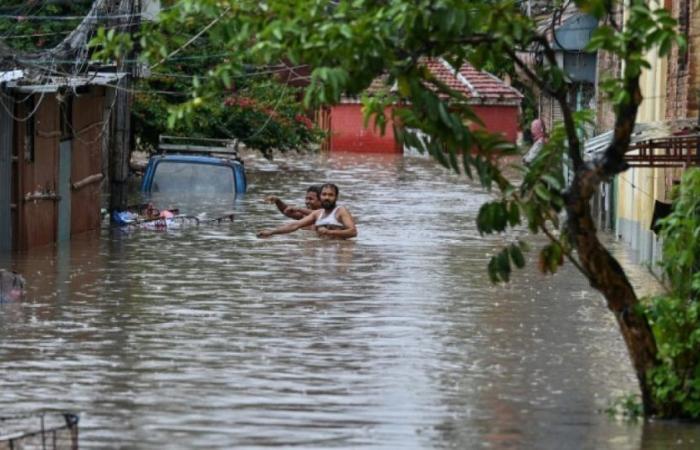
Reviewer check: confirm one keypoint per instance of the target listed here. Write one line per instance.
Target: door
(64, 192)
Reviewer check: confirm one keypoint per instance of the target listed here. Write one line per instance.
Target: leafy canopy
(675, 316)
(349, 43)
(27, 25)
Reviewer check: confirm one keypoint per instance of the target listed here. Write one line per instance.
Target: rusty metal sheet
(37, 214)
(6, 174)
(88, 126)
(671, 151)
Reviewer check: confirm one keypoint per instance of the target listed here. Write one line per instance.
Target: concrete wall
(639, 188)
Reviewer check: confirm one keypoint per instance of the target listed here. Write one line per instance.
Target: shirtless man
(331, 220)
(312, 200)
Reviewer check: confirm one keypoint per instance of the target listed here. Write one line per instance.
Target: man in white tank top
(329, 221)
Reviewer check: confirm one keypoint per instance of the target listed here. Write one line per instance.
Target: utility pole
(120, 126)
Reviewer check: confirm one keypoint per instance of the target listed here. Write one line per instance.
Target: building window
(683, 30)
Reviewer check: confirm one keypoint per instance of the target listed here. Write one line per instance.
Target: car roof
(195, 159)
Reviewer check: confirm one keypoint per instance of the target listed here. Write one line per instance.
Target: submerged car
(194, 169)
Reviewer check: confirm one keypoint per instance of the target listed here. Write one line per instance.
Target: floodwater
(212, 338)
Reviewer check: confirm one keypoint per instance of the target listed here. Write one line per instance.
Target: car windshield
(192, 177)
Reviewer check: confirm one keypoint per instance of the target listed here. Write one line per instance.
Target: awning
(654, 144)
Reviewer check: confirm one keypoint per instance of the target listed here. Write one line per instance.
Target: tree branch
(568, 254)
(560, 95)
(529, 73)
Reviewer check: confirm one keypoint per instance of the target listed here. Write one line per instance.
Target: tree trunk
(607, 276)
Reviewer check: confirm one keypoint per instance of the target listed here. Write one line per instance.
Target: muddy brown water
(211, 338)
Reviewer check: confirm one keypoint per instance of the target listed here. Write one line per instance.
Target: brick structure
(683, 71)
(608, 67)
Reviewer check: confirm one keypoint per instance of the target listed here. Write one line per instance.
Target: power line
(131, 61)
(634, 186)
(28, 8)
(52, 69)
(19, 36)
(95, 18)
(193, 38)
(271, 71)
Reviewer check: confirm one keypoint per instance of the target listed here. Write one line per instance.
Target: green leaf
(552, 181)
(516, 256)
(513, 214)
(466, 163)
(542, 192)
(444, 115)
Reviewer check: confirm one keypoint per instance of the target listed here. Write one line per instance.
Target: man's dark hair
(315, 188)
(332, 186)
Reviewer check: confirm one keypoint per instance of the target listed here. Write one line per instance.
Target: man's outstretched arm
(289, 227)
(282, 206)
(296, 213)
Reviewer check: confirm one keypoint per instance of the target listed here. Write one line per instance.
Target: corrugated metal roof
(21, 81)
(11, 75)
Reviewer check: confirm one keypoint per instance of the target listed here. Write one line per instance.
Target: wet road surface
(212, 338)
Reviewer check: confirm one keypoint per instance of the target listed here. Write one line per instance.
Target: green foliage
(645, 28)
(350, 43)
(627, 406)
(30, 35)
(681, 233)
(262, 113)
(116, 44)
(190, 93)
(675, 317)
(500, 265)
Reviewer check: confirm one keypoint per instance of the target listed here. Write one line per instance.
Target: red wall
(347, 133)
(501, 119)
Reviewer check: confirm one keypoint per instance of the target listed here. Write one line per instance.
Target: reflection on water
(211, 338)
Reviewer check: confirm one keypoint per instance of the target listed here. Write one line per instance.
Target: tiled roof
(488, 85)
(378, 85)
(478, 87)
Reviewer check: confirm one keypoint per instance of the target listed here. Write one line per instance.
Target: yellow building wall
(638, 188)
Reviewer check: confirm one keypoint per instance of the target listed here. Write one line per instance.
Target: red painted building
(496, 104)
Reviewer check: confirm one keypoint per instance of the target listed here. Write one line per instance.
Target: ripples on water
(212, 338)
